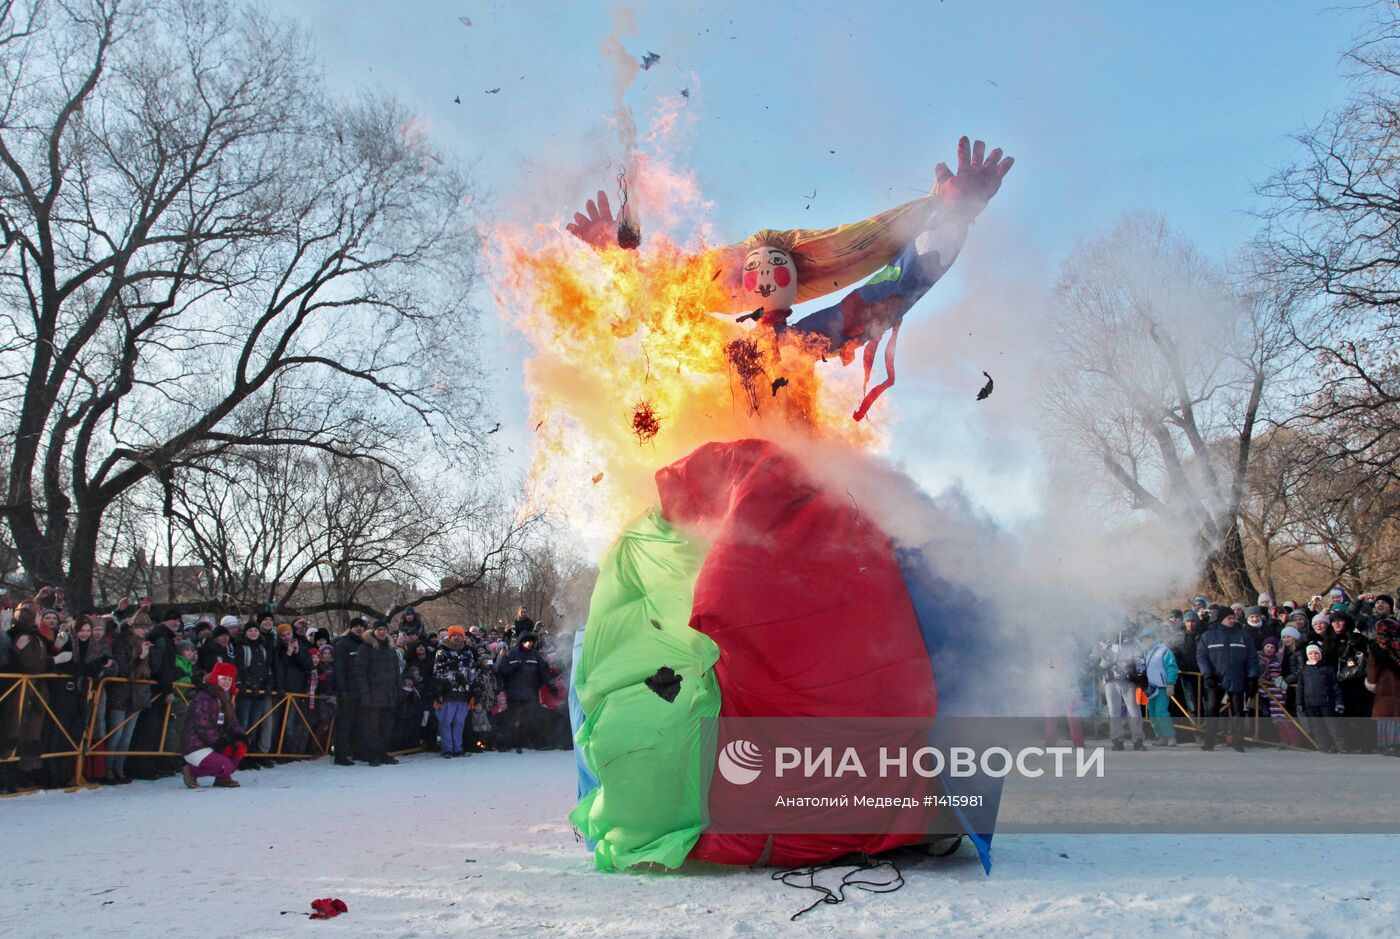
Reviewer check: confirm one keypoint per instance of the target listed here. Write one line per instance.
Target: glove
(1213, 683)
(1280, 684)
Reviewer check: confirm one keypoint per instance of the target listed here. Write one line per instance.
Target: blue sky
(1181, 108)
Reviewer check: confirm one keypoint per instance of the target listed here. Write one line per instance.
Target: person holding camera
(1118, 662)
(292, 668)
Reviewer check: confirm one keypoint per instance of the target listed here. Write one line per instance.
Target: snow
(481, 846)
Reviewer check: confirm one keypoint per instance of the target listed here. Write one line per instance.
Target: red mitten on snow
(328, 907)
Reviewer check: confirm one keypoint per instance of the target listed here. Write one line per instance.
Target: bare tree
(1159, 372)
(1274, 508)
(1332, 237)
(203, 251)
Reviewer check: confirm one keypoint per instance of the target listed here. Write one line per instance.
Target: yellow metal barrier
(17, 729)
(1259, 698)
(18, 693)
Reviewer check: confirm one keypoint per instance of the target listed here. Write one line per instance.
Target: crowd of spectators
(247, 692)
(237, 692)
(1325, 674)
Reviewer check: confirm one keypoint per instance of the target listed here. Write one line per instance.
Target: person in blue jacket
(1230, 668)
(1161, 679)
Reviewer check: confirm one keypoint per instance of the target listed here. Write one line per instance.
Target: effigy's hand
(598, 228)
(978, 178)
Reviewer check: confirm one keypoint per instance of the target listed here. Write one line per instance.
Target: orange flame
(612, 329)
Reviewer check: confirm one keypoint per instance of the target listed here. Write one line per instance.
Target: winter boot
(228, 782)
(187, 774)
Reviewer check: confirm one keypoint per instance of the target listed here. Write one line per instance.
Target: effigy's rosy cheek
(782, 276)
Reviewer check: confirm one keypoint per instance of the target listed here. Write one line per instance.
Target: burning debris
(779, 382)
(597, 478)
(747, 359)
(986, 391)
(629, 233)
(648, 60)
(756, 315)
(645, 423)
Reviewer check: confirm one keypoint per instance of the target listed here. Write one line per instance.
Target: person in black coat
(523, 624)
(291, 672)
(217, 648)
(254, 690)
(523, 670)
(1184, 648)
(1230, 669)
(1349, 651)
(375, 681)
(1319, 699)
(345, 649)
(151, 725)
(162, 656)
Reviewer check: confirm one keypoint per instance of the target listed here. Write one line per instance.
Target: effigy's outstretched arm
(879, 305)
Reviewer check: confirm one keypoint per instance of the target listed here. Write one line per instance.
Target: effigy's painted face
(770, 279)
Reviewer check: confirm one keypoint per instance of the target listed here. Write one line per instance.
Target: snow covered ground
(482, 847)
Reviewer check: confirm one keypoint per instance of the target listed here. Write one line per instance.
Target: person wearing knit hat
(212, 739)
(283, 628)
(230, 621)
(184, 663)
(1291, 648)
(1265, 601)
(1319, 699)
(213, 650)
(455, 669)
(1273, 692)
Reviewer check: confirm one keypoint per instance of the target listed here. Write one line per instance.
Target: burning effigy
(737, 571)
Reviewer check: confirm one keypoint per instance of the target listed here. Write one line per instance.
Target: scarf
(315, 682)
(1388, 638)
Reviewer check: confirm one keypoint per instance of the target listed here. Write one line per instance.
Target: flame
(613, 329)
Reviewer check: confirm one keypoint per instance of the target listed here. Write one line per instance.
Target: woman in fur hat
(1383, 680)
